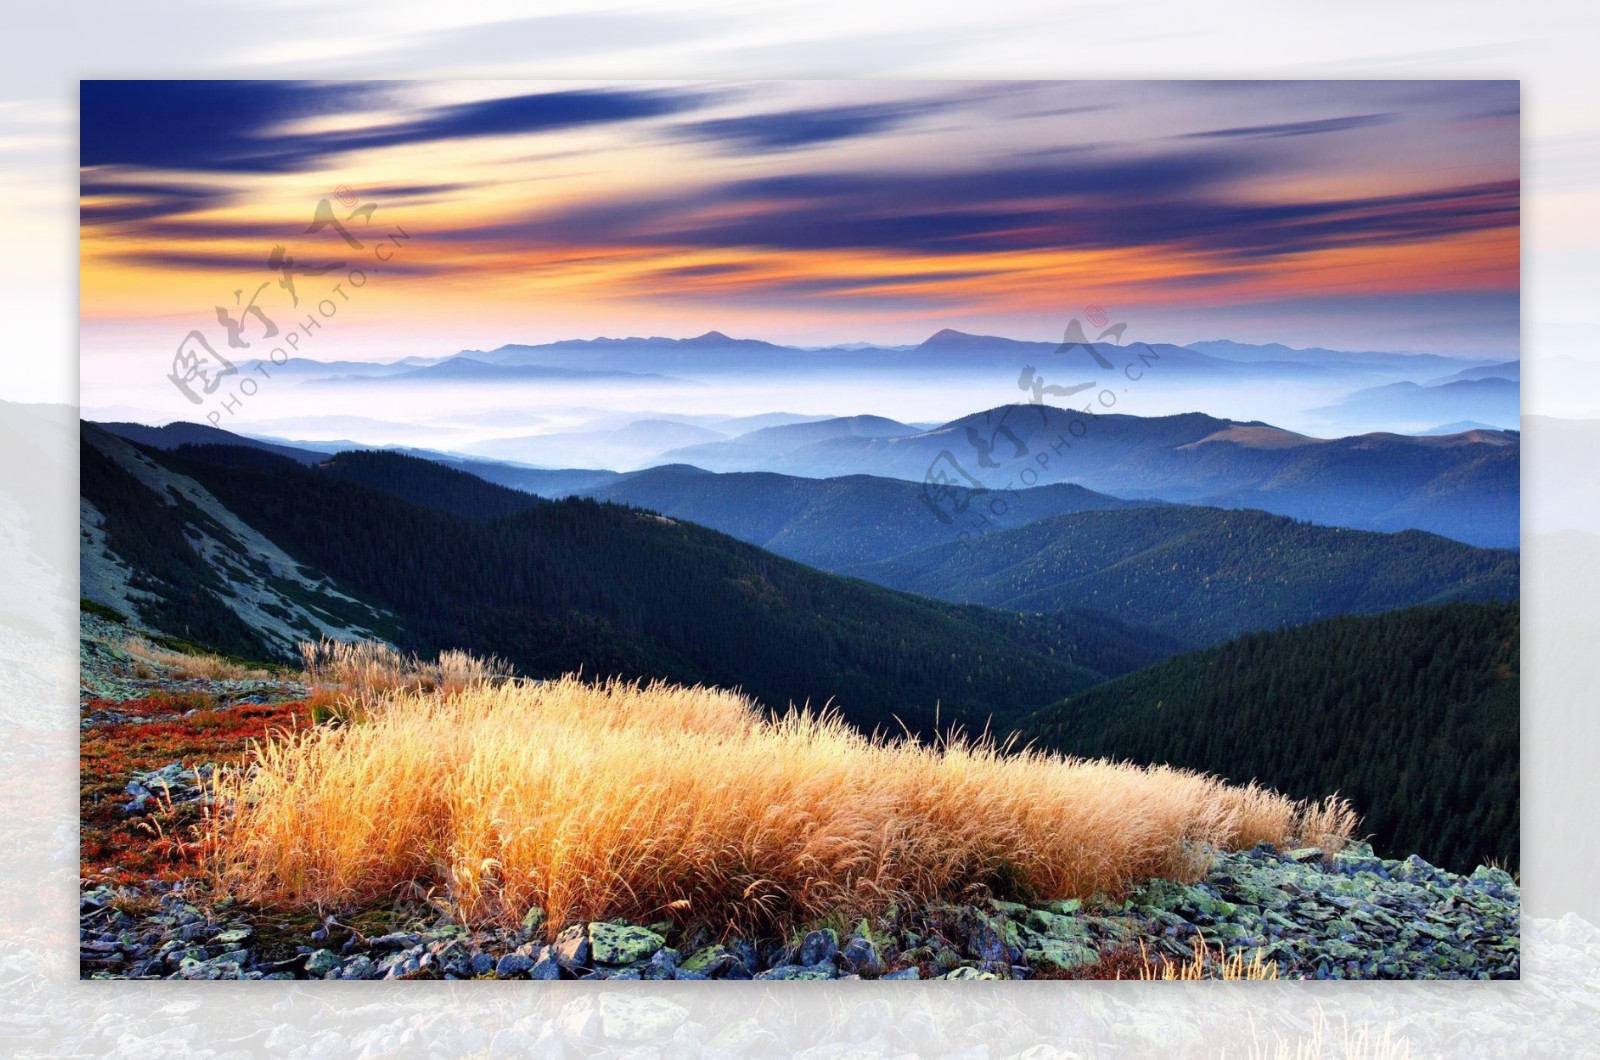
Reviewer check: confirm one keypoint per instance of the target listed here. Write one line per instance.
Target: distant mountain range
(1488, 399)
(470, 370)
(1463, 486)
(715, 353)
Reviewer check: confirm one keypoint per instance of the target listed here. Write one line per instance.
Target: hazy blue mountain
(468, 370)
(1488, 400)
(1459, 427)
(310, 367)
(757, 449)
(1463, 486)
(540, 481)
(1415, 365)
(1201, 574)
(629, 446)
(835, 523)
(715, 353)
(1511, 370)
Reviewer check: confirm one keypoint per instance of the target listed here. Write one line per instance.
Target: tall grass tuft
(348, 678)
(600, 800)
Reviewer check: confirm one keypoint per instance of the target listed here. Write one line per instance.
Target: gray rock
(861, 956)
(571, 948)
(320, 962)
(513, 966)
(824, 970)
(818, 946)
(359, 967)
(662, 964)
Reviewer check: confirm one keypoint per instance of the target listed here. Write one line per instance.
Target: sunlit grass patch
(592, 801)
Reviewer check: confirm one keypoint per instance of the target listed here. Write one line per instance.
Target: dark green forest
(1202, 574)
(564, 585)
(1413, 715)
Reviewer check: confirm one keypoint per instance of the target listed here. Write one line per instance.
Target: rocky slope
(1345, 917)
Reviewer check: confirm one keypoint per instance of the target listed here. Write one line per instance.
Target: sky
(1347, 214)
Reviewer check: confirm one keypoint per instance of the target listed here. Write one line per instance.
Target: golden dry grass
(1204, 963)
(149, 661)
(593, 801)
(350, 677)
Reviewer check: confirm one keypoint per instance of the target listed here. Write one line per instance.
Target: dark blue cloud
(1292, 128)
(1185, 199)
(210, 126)
(795, 129)
(141, 200)
(234, 126)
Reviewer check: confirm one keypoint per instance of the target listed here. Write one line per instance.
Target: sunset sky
(1370, 215)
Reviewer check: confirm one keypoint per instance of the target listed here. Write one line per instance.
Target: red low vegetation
(115, 847)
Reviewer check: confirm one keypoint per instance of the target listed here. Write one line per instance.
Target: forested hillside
(1201, 574)
(837, 523)
(1412, 715)
(611, 590)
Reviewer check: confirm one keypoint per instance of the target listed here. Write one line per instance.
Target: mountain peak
(948, 337)
(709, 337)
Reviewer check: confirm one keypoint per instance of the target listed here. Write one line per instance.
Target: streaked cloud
(790, 130)
(1315, 127)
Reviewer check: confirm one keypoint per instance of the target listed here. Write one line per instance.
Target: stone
(622, 943)
(819, 946)
(532, 923)
(741, 1036)
(795, 972)
(513, 966)
(545, 969)
(663, 964)
(902, 973)
(639, 1017)
(320, 962)
(861, 956)
(703, 963)
(969, 973)
(571, 949)
(359, 967)
(1062, 955)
